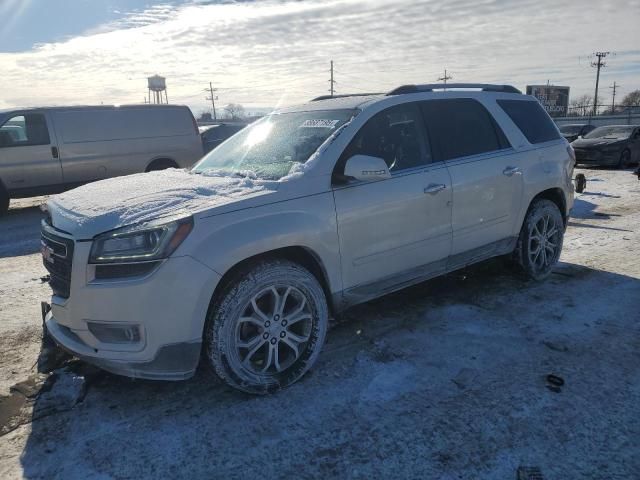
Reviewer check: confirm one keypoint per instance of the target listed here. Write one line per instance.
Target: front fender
(222, 241)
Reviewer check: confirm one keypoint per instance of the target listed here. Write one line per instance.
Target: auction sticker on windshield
(320, 123)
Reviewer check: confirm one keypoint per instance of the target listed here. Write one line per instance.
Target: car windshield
(570, 129)
(610, 132)
(271, 146)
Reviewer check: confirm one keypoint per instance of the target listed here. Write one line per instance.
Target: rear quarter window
(531, 119)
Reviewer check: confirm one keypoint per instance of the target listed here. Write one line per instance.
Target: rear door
(29, 156)
(486, 175)
(394, 230)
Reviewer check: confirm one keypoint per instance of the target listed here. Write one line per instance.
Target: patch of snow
(139, 198)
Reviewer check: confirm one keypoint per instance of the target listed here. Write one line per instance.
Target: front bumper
(168, 307)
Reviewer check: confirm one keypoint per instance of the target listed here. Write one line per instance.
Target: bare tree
(235, 111)
(580, 106)
(631, 99)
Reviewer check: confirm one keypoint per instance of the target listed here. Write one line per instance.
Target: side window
(24, 130)
(461, 127)
(532, 120)
(396, 135)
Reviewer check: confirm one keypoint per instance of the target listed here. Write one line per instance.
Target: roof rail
(328, 97)
(485, 87)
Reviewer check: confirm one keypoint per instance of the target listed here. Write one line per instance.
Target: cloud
(259, 53)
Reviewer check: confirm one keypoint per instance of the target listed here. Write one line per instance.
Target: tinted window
(531, 119)
(396, 135)
(24, 130)
(461, 127)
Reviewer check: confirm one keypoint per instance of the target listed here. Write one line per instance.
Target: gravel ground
(447, 379)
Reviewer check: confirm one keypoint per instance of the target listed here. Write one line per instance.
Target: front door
(28, 156)
(395, 230)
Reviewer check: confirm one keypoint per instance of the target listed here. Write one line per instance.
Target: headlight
(140, 243)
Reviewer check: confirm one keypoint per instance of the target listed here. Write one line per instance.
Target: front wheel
(540, 241)
(267, 327)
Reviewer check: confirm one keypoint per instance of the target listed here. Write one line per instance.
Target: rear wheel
(267, 328)
(540, 241)
(625, 159)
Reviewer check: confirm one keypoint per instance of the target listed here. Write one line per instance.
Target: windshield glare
(610, 132)
(271, 146)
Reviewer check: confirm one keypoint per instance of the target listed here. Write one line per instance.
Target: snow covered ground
(444, 380)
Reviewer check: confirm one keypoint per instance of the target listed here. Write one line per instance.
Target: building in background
(554, 99)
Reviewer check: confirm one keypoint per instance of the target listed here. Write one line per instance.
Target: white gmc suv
(243, 259)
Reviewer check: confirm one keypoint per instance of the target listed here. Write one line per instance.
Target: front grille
(57, 257)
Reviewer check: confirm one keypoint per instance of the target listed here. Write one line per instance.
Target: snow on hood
(117, 202)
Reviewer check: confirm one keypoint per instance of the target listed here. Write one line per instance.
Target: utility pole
(332, 81)
(445, 78)
(614, 87)
(598, 65)
(213, 99)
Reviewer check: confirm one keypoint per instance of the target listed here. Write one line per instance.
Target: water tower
(157, 85)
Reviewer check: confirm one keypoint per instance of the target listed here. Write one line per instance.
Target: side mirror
(366, 168)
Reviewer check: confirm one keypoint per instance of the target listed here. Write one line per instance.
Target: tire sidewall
(535, 213)
(625, 158)
(4, 201)
(221, 326)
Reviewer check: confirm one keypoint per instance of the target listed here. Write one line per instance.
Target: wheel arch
(160, 160)
(301, 255)
(556, 195)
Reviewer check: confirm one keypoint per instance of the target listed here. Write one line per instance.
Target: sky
(265, 54)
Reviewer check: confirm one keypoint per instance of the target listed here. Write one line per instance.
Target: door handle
(54, 152)
(511, 171)
(434, 188)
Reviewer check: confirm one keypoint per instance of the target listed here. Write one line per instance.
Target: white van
(49, 150)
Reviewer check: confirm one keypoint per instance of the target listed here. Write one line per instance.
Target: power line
(445, 77)
(598, 65)
(331, 80)
(614, 87)
(213, 99)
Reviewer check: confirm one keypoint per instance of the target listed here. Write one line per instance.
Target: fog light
(114, 333)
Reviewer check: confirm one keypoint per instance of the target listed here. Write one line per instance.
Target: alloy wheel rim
(273, 330)
(544, 242)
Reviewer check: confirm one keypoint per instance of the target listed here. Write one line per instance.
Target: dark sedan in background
(615, 145)
(216, 134)
(573, 131)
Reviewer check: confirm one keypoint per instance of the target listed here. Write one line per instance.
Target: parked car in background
(214, 135)
(572, 132)
(615, 145)
(49, 150)
(308, 211)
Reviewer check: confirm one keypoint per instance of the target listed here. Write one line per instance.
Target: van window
(87, 125)
(395, 135)
(461, 127)
(532, 120)
(24, 130)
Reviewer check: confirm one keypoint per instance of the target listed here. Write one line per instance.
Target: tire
(280, 343)
(543, 220)
(161, 164)
(625, 159)
(581, 183)
(4, 201)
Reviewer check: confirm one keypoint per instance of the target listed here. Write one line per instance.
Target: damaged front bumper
(172, 362)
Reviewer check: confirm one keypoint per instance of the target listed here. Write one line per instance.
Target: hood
(108, 204)
(595, 142)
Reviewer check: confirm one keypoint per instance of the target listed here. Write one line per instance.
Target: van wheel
(267, 327)
(540, 241)
(161, 164)
(4, 201)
